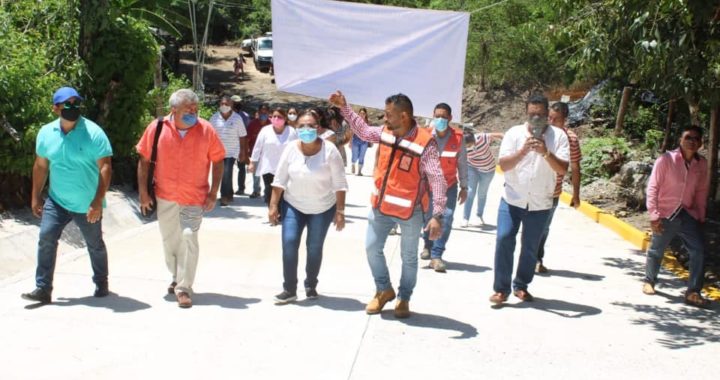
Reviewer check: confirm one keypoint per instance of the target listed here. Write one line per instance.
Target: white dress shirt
(531, 183)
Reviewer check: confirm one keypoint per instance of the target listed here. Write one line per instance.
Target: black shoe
(171, 288)
(101, 290)
(254, 195)
(240, 192)
(285, 297)
(38, 295)
(311, 293)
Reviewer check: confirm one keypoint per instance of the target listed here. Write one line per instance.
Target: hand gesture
(338, 99)
(37, 206)
(462, 197)
(273, 215)
(146, 203)
(434, 229)
(94, 212)
(339, 221)
(656, 226)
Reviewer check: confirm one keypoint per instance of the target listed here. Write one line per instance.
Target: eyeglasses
(313, 126)
(70, 106)
(692, 138)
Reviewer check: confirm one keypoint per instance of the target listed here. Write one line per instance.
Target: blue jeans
(226, 186)
(437, 247)
(358, 151)
(508, 222)
(293, 224)
(53, 222)
(379, 227)
(690, 231)
(546, 232)
(478, 184)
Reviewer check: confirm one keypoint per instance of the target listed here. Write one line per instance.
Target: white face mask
(225, 109)
(292, 117)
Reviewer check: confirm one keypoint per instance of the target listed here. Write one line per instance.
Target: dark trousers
(268, 180)
(241, 176)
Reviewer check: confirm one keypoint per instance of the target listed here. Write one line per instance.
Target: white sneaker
(464, 223)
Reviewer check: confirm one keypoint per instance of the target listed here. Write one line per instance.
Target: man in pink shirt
(676, 198)
(186, 148)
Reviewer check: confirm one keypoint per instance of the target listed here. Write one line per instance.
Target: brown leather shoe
(184, 300)
(498, 298)
(171, 288)
(381, 298)
(524, 295)
(402, 309)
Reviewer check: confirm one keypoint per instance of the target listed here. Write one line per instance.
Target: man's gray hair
(183, 96)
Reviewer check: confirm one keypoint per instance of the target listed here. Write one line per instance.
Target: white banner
(370, 52)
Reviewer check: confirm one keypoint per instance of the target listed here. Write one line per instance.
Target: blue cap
(65, 93)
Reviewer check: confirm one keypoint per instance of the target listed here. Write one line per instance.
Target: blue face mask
(189, 119)
(307, 135)
(263, 117)
(440, 124)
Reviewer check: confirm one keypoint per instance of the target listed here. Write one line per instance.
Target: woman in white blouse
(311, 178)
(269, 146)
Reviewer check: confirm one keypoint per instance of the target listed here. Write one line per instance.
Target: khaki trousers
(179, 227)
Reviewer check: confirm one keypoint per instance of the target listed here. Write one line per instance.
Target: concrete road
(589, 319)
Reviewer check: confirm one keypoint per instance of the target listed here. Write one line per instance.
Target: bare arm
(339, 219)
(217, 172)
(40, 174)
(273, 211)
(94, 213)
(575, 177)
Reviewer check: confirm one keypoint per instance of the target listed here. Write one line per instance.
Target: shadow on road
(114, 302)
(216, 299)
(466, 330)
(333, 303)
(466, 267)
(562, 308)
(682, 328)
(571, 274)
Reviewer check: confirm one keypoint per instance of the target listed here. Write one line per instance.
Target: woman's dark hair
(469, 137)
(281, 111)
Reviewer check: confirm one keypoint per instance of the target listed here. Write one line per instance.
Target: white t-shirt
(531, 182)
(310, 182)
(229, 131)
(269, 147)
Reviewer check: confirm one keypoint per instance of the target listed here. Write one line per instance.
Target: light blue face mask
(189, 119)
(440, 124)
(307, 135)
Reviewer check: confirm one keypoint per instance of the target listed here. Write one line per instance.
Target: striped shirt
(429, 161)
(575, 157)
(480, 156)
(229, 131)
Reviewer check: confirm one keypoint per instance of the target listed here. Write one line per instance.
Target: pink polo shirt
(673, 184)
(183, 163)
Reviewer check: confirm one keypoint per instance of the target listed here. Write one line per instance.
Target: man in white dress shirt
(531, 155)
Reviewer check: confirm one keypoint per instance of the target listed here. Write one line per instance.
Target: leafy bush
(602, 157)
(653, 139)
(36, 58)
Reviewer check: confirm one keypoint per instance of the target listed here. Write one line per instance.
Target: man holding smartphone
(531, 155)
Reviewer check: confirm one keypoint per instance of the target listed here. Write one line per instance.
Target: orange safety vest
(399, 185)
(448, 156)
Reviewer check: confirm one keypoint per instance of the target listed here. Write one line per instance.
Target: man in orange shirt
(186, 147)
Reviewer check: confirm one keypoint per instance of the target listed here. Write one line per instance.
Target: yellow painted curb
(638, 238)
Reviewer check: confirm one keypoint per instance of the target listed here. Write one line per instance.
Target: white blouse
(269, 147)
(310, 182)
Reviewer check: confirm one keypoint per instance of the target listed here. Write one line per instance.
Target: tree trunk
(621, 111)
(694, 109)
(668, 126)
(713, 152)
